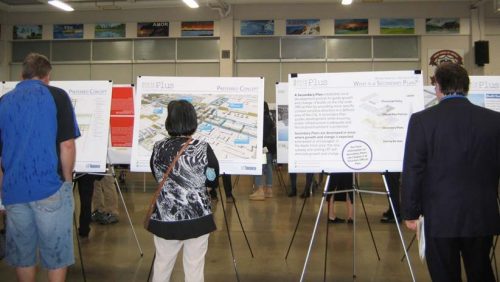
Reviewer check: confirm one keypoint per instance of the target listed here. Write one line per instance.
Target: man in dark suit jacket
(450, 176)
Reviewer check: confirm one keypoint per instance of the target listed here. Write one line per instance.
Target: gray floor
(112, 254)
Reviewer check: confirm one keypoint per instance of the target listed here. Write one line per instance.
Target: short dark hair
(181, 119)
(35, 65)
(452, 78)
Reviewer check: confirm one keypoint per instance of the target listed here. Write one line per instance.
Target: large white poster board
(484, 91)
(7, 86)
(282, 122)
(230, 118)
(92, 103)
(351, 122)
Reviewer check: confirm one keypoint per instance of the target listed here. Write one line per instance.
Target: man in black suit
(450, 176)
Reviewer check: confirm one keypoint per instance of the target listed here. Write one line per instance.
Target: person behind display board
(269, 147)
(451, 169)
(183, 217)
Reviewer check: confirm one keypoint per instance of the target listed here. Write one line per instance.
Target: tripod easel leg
(296, 227)
(281, 180)
(78, 242)
(369, 226)
(229, 235)
(151, 267)
(117, 187)
(315, 229)
(397, 225)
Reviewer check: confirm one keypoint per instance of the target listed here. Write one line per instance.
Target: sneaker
(258, 195)
(108, 218)
(97, 216)
(336, 220)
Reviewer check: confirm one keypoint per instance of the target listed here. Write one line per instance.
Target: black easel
(281, 179)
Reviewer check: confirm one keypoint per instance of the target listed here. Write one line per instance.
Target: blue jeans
(46, 225)
(267, 170)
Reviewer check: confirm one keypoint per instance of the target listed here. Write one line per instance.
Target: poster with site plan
(230, 118)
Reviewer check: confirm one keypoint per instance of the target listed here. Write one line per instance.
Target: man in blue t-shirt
(37, 155)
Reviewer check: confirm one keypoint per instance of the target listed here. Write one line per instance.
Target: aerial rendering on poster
(228, 118)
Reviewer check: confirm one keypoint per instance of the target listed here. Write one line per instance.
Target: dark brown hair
(35, 66)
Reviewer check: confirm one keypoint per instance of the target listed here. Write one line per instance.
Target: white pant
(193, 258)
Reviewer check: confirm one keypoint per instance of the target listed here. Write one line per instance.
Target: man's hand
(411, 224)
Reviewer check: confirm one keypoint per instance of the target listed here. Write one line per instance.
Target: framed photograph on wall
(26, 31)
(397, 26)
(302, 27)
(442, 25)
(198, 28)
(68, 31)
(257, 27)
(152, 29)
(351, 26)
(109, 30)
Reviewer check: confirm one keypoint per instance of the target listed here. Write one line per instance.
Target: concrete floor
(112, 254)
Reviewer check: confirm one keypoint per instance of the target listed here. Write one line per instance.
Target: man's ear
(46, 79)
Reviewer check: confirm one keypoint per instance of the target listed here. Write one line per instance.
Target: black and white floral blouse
(184, 206)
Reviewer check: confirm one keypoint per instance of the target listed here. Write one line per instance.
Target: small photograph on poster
(109, 30)
(152, 29)
(351, 26)
(302, 27)
(441, 25)
(397, 26)
(257, 27)
(27, 32)
(68, 31)
(199, 28)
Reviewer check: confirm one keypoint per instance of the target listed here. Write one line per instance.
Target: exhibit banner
(68, 31)
(230, 118)
(351, 122)
(282, 122)
(7, 86)
(121, 124)
(92, 103)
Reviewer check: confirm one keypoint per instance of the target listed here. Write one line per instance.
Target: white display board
(351, 122)
(282, 122)
(484, 91)
(230, 118)
(7, 86)
(92, 103)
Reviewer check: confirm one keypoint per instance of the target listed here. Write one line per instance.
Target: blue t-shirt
(34, 119)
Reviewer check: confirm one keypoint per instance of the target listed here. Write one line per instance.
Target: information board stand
(357, 191)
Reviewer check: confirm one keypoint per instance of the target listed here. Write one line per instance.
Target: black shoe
(387, 213)
(305, 194)
(389, 219)
(350, 221)
(336, 220)
(292, 194)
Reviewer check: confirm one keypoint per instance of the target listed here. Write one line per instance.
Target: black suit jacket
(451, 169)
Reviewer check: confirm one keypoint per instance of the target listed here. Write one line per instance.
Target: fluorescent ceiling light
(61, 5)
(191, 3)
(346, 2)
